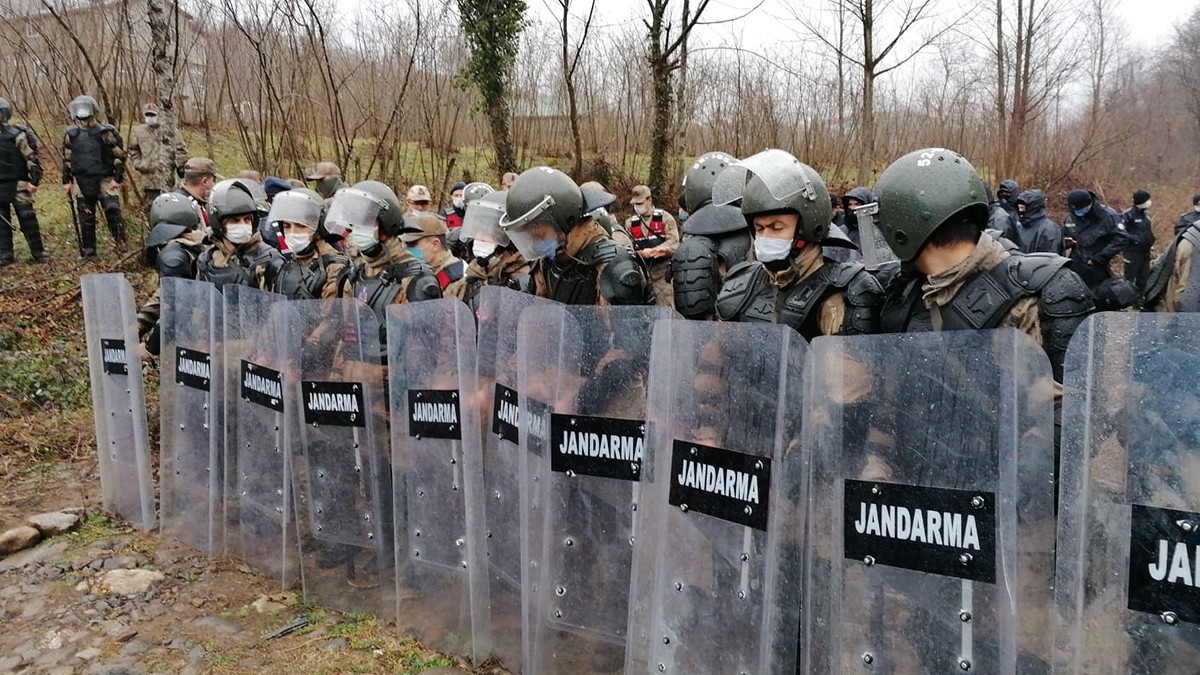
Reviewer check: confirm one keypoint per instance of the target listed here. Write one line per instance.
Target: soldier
(172, 248)
(933, 211)
(146, 154)
(496, 261)
(854, 198)
(1036, 233)
(655, 239)
(199, 177)
(328, 179)
(606, 219)
(786, 209)
(575, 261)
(419, 199)
(426, 239)
(1094, 234)
(238, 254)
(20, 173)
(1170, 284)
(453, 214)
(300, 216)
(1187, 219)
(93, 166)
(1136, 220)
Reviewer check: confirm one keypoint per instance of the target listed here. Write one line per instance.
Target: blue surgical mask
(417, 253)
(547, 249)
(683, 216)
(1081, 212)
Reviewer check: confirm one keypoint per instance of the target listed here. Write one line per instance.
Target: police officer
(1189, 218)
(299, 215)
(495, 261)
(1035, 232)
(575, 260)
(93, 166)
(655, 237)
(174, 244)
(453, 214)
(20, 173)
(786, 209)
(327, 179)
(1136, 220)
(146, 154)
(715, 238)
(932, 212)
(1093, 234)
(426, 240)
(238, 254)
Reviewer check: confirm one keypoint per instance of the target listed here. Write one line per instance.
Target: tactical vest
(316, 272)
(90, 157)
(12, 165)
(242, 268)
(379, 291)
(648, 235)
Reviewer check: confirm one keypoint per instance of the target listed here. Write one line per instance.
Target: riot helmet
(83, 107)
(542, 206)
(229, 199)
(256, 190)
(297, 207)
(697, 185)
(921, 191)
(391, 218)
(5, 111)
(481, 224)
(171, 214)
(475, 191)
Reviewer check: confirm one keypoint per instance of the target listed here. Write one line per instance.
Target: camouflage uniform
(94, 164)
(147, 155)
(450, 271)
(20, 172)
(658, 232)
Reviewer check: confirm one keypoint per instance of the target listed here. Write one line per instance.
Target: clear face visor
(482, 221)
(352, 208)
(295, 208)
(781, 173)
(537, 237)
(81, 110)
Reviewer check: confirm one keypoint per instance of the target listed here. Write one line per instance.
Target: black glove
(179, 171)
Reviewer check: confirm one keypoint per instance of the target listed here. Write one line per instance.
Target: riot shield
(335, 381)
(499, 313)
(437, 477)
(118, 402)
(931, 516)
(582, 374)
(1129, 501)
(260, 509)
(192, 413)
(716, 586)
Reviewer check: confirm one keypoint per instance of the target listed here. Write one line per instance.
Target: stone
(133, 648)
(217, 624)
(126, 582)
(88, 654)
(9, 664)
(33, 556)
(265, 605)
(54, 522)
(336, 643)
(18, 539)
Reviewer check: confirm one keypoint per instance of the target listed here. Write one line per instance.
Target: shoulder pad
(1033, 271)
(423, 286)
(746, 294)
(623, 280)
(164, 232)
(1192, 234)
(602, 251)
(174, 260)
(72, 131)
(861, 288)
(334, 259)
(1064, 294)
(710, 219)
(289, 282)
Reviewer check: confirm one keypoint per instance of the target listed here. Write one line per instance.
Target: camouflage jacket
(149, 158)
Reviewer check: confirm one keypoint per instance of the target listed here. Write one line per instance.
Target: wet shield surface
(192, 414)
(342, 478)
(259, 500)
(498, 316)
(1129, 507)
(118, 401)
(718, 553)
(931, 517)
(582, 378)
(441, 580)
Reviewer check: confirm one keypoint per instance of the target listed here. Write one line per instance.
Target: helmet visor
(296, 208)
(509, 221)
(536, 238)
(482, 221)
(781, 173)
(352, 208)
(81, 110)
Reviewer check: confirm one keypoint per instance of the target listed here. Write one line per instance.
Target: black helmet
(171, 214)
(543, 191)
(5, 111)
(698, 180)
(922, 190)
(83, 107)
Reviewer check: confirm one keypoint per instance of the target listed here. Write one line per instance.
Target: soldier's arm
(27, 145)
(1118, 240)
(135, 150)
(113, 140)
(1179, 276)
(67, 178)
(671, 231)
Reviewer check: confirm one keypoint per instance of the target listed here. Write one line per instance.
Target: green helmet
(171, 214)
(922, 190)
(5, 111)
(698, 180)
(774, 181)
(391, 218)
(542, 190)
(229, 198)
(83, 107)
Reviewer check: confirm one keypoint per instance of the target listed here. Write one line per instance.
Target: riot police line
(582, 489)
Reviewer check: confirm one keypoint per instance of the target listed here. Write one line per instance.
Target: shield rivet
(1169, 618)
(875, 490)
(662, 667)
(867, 658)
(964, 616)
(977, 502)
(679, 586)
(964, 665)
(666, 640)
(1186, 525)
(869, 560)
(744, 557)
(749, 510)
(558, 614)
(683, 507)
(965, 558)
(568, 542)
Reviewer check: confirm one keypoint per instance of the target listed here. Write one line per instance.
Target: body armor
(624, 281)
(90, 157)
(316, 272)
(13, 166)
(242, 268)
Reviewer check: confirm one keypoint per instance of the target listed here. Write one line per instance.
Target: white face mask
(1145, 206)
(483, 249)
(768, 249)
(298, 242)
(239, 233)
(1197, 208)
(363, 237)
(458, 202)
(640, 209)
(152, 120)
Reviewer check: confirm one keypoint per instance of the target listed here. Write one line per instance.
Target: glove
(179, 171)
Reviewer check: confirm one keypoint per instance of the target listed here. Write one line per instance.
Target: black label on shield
(936, 530)
(338, 404)
(434, 413)
(506, 414)
(262, 385)
(192, 368)
(724, 484)
(536, 423)
(597, 446)
(116, 361)
(1164, 562)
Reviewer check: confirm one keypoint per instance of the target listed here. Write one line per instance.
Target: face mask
(683, 216)
(483, 249)
(640, 209)
(767, 249)
(363, 237)
(152, 120)
(298, 242)
(458, 202)
(1196, 208)
(416, 252)
(1145, 206)
(547, 249)
(1081, 212)
(327, 186)
(239, 233)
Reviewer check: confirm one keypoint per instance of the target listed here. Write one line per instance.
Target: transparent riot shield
(582, 375)
(498, 315)
(192, 413)
(118, 402)
(1129, 501)
(931, 510)
(437, 477)
(259, 503)
(718, 557)
(335, 380)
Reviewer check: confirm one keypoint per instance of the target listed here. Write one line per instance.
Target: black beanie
(1078, 199)
(1140, 197)
(1196, 199)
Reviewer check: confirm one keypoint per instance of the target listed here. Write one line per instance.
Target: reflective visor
(352, 208)
(295, 207)
(482, 221)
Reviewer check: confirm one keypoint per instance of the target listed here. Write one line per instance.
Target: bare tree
(570, 65)
(664, 55)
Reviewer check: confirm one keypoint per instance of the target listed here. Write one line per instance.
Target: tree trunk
(867, 128)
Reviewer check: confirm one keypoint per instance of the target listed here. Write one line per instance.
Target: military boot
(87, 228)
(33, 234)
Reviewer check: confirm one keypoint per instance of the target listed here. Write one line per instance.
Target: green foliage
(43, 377)
(493, 31)
(93, 528)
